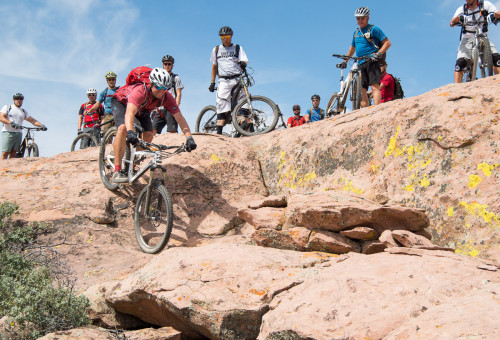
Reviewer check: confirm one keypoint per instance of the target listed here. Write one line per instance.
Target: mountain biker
(297, 119)
(105, 100)
(474, 13)
(161, 118)
(87, 119)
(228, 61)
(137, 101)
(386, 83)
(315, 113)
(368, 40)
(13, 116)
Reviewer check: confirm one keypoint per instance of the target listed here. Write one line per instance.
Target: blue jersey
(315, 114)
(363, 46)
(105, 99)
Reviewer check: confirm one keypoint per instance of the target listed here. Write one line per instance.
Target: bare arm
(214, 72)
(4, 119)
(80, 121)
(95, 107)
(130, 115)
(179, 95)
(385, 46)
(34, 121)
(182, 123)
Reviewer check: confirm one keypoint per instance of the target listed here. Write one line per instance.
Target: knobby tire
(207, 115)
(264, 118)
(106, 170)
(153, 223)
(357, 93)
(487, 59)
(32, 150)
(77, 141)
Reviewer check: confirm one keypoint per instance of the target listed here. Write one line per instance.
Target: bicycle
(481, 53)
(91, 138)
(336, 104)
(28, 143)
(153, 217)
(260, 112)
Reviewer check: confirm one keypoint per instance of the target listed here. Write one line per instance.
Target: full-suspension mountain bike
(28, 144)
(153, 218)
(337, 103)
(259, 112)
(481, 53)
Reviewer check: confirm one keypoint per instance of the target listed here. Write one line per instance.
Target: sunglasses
(111, 79)
(225, 36)
(159, 88)
(315, 100)
(168, 64)
(91, 95)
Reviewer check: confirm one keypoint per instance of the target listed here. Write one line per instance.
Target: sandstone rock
(272, 218)
(372, 247)
(164, 333)
(271, 201)
(424, 233)
(82, 333)
(387, 239)
(360, 233)
(331, 242)
(294, 238)
(322, 307)
(216, 291)
(410, 240)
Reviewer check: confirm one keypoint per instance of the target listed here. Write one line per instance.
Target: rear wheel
(256, 117)
(486, 58)
(32, 150)
(207, 122)
(153, 218)
(107, 159)
(83, 141)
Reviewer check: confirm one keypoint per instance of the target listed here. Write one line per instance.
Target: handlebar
(30, 128)
(152, 147)
(345, 57)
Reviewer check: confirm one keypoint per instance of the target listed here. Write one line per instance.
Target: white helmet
(91, 91)
(159, 77)
(362, 12)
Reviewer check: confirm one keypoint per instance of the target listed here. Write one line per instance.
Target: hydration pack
(139, 75)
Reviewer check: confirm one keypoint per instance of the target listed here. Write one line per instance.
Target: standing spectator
(315, 113)
(228, 62)
(297, 119)
(105, 100)
(386, 83)
(161, 117)
(88, 118)
(474, 13)
(368, 41)
(13, 116)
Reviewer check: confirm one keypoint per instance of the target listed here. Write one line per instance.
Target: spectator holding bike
(314, 113)
(104, 99)
(161, 118)
(228, 62)
(386, 83)
(472, 14)
(368, 41)
(87, 118)
(297, 119)
(137, 100)
(13, 116)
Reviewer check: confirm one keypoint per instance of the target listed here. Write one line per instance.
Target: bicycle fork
(148, 191)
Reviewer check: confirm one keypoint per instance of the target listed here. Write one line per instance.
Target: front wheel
(83, 141)
(107, 160)
(153, 218)
(32, 150)
(257, 116)
(486, 59)
(333, 108)
(357, 93)
(207, 120)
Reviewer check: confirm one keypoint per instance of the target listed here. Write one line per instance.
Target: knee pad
(496, 59)
(222, 116)
(460, 65)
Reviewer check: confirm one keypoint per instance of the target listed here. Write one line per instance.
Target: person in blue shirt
(368, 41)
(314, 113)
(105, 99)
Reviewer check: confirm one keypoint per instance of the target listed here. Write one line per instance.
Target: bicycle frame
(345, 86)
(27, 141)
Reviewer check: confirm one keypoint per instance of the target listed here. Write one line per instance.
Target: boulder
(409, 239)
(360, 233)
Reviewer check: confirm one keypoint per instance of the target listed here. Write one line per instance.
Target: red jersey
(296, 121)
(387, 92)
(141, 97)
(89, 119)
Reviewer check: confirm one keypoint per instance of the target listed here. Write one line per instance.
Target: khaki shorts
(11, 141)
(465, 48)
(106, 127)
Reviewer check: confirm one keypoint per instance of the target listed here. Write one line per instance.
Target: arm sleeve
(169, 103)
(101, 96)
(81, 110)
(178, 83)
(213, 58)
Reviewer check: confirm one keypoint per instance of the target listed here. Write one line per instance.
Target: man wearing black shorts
(368, 41)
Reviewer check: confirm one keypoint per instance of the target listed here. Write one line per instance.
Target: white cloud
(66, 41)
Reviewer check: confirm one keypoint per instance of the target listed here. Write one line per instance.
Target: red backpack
(138, 75)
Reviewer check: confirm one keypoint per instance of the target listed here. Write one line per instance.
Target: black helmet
(296, 107)
(18, 96)
(167, 58)
(315, 96)
(225, 30)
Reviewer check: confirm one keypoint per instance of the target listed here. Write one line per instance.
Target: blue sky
(53, 50)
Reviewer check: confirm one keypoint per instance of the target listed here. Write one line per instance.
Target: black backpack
(398, 89)
(217, 52)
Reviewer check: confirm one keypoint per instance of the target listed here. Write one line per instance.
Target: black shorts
(370, 73)
(119, 109)
(159, 122)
